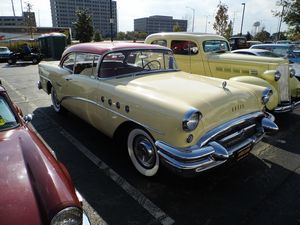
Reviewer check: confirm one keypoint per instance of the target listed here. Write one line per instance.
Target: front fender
(274, 100)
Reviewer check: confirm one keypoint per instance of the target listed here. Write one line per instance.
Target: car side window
(182, 47)
(69, 62)
(159, 42)
(85, 64)
(215, 46)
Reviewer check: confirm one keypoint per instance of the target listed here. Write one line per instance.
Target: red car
(35, 188)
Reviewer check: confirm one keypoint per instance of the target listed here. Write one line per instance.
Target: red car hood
(32, 183)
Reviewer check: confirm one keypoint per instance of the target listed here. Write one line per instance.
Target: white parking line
(154, 210)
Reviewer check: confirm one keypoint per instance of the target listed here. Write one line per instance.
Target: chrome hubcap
(144, 152)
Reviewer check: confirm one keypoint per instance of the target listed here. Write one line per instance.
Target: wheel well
(121, 131)
(49, 86)
(120, 135)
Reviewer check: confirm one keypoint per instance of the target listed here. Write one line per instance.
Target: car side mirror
(28, 118)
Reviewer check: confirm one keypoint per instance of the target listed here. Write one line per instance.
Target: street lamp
(244, 4)
(193, 17)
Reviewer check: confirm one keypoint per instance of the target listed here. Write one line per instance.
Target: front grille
(237, 133)
(283, 83)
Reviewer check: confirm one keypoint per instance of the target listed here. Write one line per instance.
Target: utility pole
(278, 35)
(241, 32)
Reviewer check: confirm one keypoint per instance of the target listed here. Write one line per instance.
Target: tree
(221, 19)
(262, 36)
(121, 35)
(29, 19)
(97, 36)
(83, 26)
(290, 14)
(176, 28)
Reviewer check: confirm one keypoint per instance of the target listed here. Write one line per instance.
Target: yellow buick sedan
(130, 91)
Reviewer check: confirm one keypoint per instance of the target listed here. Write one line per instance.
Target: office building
(64, 14)
(27, 19)
(154, 24)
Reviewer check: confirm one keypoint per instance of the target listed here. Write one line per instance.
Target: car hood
(182, 91)
(248, 58)
(28, 181)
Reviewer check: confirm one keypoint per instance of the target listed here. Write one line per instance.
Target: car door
(188, 56)
(82, 85)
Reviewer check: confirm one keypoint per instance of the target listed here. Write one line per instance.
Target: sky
(205, 11)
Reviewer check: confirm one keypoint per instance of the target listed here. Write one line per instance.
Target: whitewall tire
(142, 152)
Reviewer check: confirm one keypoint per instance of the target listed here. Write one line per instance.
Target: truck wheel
(55, 102)
(142, 152)
(11, 61)
(35, 61)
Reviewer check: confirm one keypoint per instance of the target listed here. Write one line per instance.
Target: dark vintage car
(35, 58)
(35, 188)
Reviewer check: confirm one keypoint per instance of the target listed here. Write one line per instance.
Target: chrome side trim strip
(112, 111)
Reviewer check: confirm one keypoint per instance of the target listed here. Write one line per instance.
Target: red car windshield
(7, 117)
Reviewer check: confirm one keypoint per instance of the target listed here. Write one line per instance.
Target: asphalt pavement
(261, 189)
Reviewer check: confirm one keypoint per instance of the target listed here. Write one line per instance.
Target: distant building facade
(155, 24)
(27, 18)
(64, 14)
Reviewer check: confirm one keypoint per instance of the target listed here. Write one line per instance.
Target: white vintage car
(134, 91)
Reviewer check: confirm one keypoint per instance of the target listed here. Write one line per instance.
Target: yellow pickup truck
(209, 55)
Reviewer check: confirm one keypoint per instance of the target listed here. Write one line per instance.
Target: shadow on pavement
(251, 191)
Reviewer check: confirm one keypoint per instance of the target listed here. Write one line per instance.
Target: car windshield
(134, 62)
(215, 46)
(7, 117)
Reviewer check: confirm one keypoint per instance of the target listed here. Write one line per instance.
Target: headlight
(267, 93)
(277, 75)
(68, 216)
(292, 73)
(191, 120)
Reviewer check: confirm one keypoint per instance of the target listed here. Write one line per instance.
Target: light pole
(206, 17)
(244, 4)
(111, 21)
(193, 17)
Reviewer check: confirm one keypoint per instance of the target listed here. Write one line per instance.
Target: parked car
(267, 53)
(14, 57)
(210, 55)
(4, 53)
(135, 92)
(35, 188)
(238, 42)
(257, 52)
(290, 51)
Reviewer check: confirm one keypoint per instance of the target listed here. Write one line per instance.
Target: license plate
(243, 153)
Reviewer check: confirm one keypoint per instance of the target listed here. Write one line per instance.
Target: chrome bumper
(287, 108)
(198, 158)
